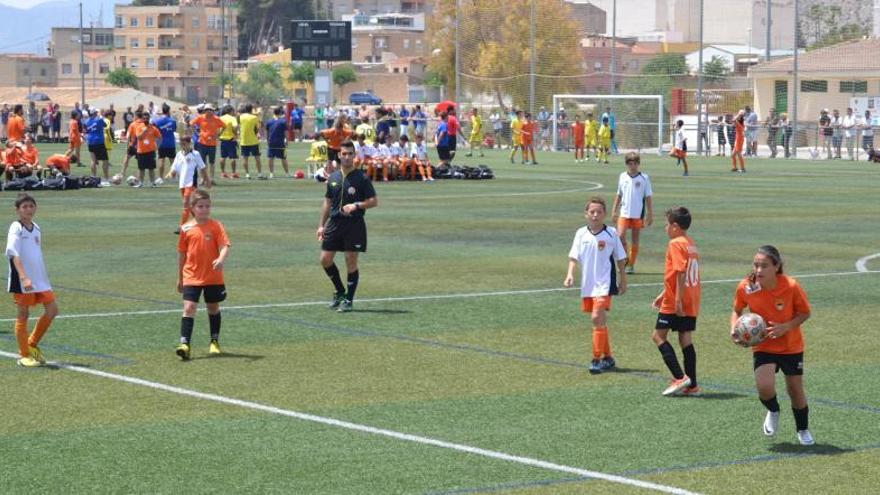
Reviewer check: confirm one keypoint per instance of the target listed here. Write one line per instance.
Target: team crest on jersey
(601, 245)
(37, 240)
(780, 304)
(208, 236)
(638, 185)
(351, 190)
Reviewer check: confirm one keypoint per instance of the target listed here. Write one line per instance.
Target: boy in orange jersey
(202, 250)
(529, 131)
(15, 126)
(30, 155)
(60, 163)
(74, 134)
(28, 280)
(679, 303)
(210, 126)
(599, 252)
(419, 155)
(13, 161)
(148, 139)
(782, 303)
(577, 132)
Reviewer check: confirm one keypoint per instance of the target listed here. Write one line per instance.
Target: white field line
(370, 430)
(462, 295)
(862, 263)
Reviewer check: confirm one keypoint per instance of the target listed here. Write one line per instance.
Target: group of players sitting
(22, 159)
(390, 160)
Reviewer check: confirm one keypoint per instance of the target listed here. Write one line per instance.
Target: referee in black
(341, 226)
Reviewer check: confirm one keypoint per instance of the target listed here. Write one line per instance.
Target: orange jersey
(15, 128)
(147, 142)
(528, 131)
(208, 129)
(129, 133)
(681, 257)
(578, 130)
(201, 243)
(30, 155)
(61, 162)
(13, 156)
(73, 134)
(777, 305)
(335, 138)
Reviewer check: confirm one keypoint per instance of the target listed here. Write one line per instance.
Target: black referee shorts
(348, 234)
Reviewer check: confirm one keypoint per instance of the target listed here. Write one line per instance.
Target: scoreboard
(328, 41)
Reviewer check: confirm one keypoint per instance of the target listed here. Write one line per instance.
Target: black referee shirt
(351, 188)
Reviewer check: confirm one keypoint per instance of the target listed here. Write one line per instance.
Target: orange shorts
(629, 223)
(678, 153)
(588, 303)
(33, 298)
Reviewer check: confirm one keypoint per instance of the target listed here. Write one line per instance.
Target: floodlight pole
(700, 89)
(767, 22)
(223, 50)
(82, 60)
(613, 67)
(532, 57)
(457, 52)
(794, 100)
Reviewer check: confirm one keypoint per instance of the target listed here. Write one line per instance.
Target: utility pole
(82, 61)
(700, 89)
(768, 23)
(457, 52)
(795, 90)
(222, 50)
(532, 57)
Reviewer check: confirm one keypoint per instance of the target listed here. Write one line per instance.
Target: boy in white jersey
(187, 165)
(601, 256)
(400, 152)
(419, 154)
(28, 281)
(383, 159)
(633, 207)
(363, 154)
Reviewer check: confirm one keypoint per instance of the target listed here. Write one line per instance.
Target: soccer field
(463, 368)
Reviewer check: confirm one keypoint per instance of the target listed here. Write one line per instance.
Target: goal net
(637, 120)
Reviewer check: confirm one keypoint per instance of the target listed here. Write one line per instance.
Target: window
(195, 22)
(120, 21)
(134, 43)
(133, 22)
(87, 39)
(597, 66)
(134, 63)
(406, 44)
(66, 69)
(194, 65)
(43, 71)
(157, 90)
(151, 43)
(148, 22)
(814, 86)
(418, 44)
(853, 86)
(26, 71)
(119, 42)
(150, 63)
(381, 42)
(171, 93)
(211, 67)
(104, 68)
(103, 39)
(194, 43)
(167, 65)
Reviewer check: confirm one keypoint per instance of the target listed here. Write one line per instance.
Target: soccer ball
(132, 181)
(750, 330)
(116, 179)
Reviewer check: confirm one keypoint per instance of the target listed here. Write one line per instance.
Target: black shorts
(348, 234)
(229, 149)
(668, 321)
(213, 293)
(277, 153)
(612, 133)
(146, 161)
(209, 153)
(443, 153)
(167, 153)
(131, 151)
(100, 151)
(453, 143)
(332, 155)
(790, 364)
(298, 126)
(251, 150)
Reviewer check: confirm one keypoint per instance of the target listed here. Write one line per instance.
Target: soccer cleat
(183, 351)
(36, 354)
(733, 170)
(247, 176)
(607, 363)
(29, 362)
(271, 175)
(235, 175)
(214, 348)
(771, 422)
(677, 385)
(630, 269)
(345, 306)
(177, 231)
(337, 300)
(805, 438)
(224, 175)
(685, 174)
(595, 367)
(694, 391)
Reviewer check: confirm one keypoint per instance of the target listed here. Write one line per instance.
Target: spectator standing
(495, 120)
(94, 129)
(836, 132)
(4, 119)
(296, 122)
(419, 119)
(825, 131)
(250, 131)
(785, 125)
(276, 141)
(848, 125)
(772, 124)
(612, 124)
(128, 118)
(329, 116)
(56, 123)
(404, 121)
(229, 142)
(751, 122)
(867, 132)
(45, 123)
(168, 148)
(544, 124)
(722, 135)
(33, 118)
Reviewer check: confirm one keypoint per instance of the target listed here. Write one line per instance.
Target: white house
(737, 57)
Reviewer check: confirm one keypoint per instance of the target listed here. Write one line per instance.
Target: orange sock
(39, 330)
(184, 216)
(606, 342)
(21, 336)
(599, 338)
(633, 254)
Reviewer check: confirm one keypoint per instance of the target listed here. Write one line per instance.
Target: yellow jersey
(230, 125)
(516, 126)
(476, 128)
(249, 125)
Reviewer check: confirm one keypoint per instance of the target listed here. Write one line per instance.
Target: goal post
(634, 114)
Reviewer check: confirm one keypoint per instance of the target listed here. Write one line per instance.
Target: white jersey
(633, 192)
(419, 151)
(186, 166)
(680, 139)
(398, 151)
(26, 244)
(383, 151)
(597, 255)
(363, 151)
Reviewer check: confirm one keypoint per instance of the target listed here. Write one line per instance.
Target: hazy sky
(22, 4)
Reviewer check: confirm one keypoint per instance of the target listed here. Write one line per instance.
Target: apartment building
(27, 70)
(338, 8)
(98, 57)
(176, 50)
(383, 38)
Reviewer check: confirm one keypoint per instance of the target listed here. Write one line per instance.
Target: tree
(824, 25)
(302, 73)
(344, 74)
(262, 86)
(225, 81)
(122, 77)
(493, 37)
(656, 78)
(715, 71)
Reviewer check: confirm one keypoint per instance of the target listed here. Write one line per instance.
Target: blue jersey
(383, 128)
(276, 130)
(166, 126)
(94, 129)
(444, 140)
(404, 115)
(296, 116)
